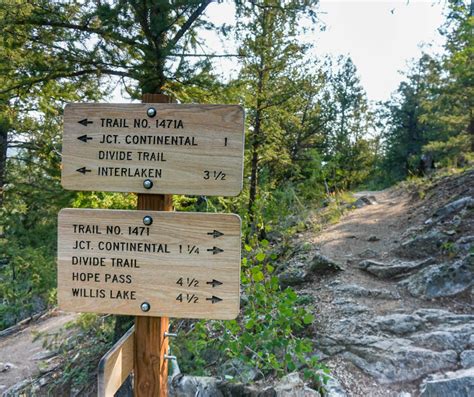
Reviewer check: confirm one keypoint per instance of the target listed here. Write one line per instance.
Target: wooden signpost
(151, 263)
(116, 365)
(180, 149)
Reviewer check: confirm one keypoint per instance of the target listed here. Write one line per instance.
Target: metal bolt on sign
(147, 220)
(147, 183)
(151, 112)
(145, 306)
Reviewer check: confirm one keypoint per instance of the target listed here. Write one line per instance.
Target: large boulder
(454, 207)
(443, 280)
(321, 264)
(423, 245)
(394, 269)
(453, 384)
(398, 360)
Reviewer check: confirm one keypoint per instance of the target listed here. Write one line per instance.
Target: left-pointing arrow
(84, 138)
(84, 122)
(214, 299)
(83, 170)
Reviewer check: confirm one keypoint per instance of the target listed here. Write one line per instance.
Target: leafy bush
(269, 335)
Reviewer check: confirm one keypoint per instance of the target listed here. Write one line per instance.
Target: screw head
(147, 220)
(145, 306)
(147, 183)
(151, 112)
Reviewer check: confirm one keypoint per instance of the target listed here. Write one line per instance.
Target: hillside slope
(398, 317)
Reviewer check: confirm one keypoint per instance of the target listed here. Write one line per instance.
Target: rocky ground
(392, 282)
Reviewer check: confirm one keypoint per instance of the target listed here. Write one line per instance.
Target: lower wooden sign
(149, 263)
(116, 365)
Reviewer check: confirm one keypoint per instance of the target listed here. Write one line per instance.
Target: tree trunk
(254, 168)
(3, 156)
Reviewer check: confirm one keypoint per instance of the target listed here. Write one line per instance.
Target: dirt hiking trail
(20, 355)
(397, 320)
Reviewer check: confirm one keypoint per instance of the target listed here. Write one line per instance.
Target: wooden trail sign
(149, 263)
(116, 365)
(179, 148)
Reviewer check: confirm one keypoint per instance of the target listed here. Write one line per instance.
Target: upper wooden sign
(154, 148)
(149, 263)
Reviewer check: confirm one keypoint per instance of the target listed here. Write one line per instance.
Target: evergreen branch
(195, 15)
(81, 28)
(61, 75)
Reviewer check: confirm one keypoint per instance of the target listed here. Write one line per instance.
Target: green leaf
(260, 256)
(308, 318)
(258, 276)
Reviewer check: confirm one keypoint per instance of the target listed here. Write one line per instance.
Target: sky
(380, 36)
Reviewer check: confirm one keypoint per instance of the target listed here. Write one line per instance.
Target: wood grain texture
(177, 259)
(151, 345)
(116, 365)
(151, 368)
(210, 162)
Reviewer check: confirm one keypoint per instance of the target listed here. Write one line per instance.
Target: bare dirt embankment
(20, 355)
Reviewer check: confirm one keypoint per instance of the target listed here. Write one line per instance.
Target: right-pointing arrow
(83, 170)
(214, 299)
(215, 233)
(214, 283)
(215, 250)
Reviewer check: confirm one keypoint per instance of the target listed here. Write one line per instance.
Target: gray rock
(190, 386)
(373, 238)
(44, 355)
(353, 309)
(394, 269)
(239, 371)
(368, 253)
(333, 388)
(292, 276)
(453, 384)
(292, 385)
(364, 200)
(399, 324)
(464, 244)
(456, 338)
(424, 245)
(357, 290)
(454, 206)
(444, 280)
(438, 316)
(397, 360)
(321, 264)
(467, 359)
